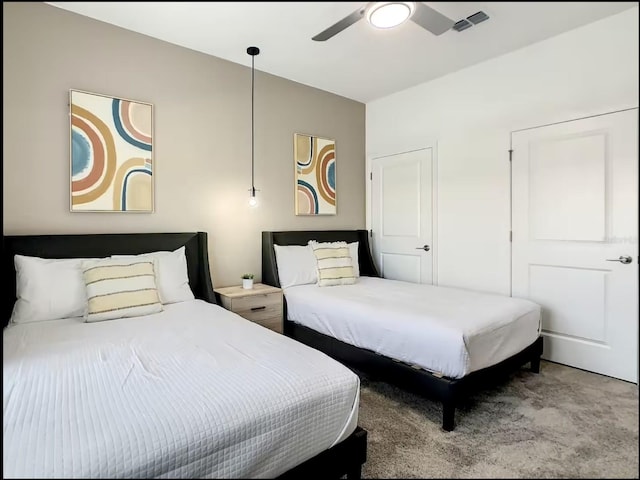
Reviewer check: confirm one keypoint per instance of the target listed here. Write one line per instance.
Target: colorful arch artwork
(111, 154)
(315, 159)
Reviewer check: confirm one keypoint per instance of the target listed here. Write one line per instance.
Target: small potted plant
(247, 281)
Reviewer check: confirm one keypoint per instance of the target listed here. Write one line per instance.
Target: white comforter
(446, 330)
(195, 391)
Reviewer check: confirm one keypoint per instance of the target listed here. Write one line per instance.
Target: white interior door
(401, 215)
(575, 238)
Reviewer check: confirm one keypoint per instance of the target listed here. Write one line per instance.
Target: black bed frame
(449, 391)
(345, 458)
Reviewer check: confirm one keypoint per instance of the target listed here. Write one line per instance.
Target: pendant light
(253, 201)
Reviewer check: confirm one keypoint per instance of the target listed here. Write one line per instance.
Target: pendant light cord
(253, 51)
(253, 188)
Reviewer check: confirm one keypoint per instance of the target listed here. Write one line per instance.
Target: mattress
(193, 392)
(447, 331)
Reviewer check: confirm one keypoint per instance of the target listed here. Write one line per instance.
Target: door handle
(426, 248)
(626, 259)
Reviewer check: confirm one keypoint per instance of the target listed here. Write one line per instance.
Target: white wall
(468, 115)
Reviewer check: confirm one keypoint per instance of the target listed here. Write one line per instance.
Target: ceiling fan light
(389, 14)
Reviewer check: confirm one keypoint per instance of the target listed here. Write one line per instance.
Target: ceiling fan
(391, 14)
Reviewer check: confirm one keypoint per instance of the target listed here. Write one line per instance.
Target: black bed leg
(535, 365)
(448, 415)
(355, 473)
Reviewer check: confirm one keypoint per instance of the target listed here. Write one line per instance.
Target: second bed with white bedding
(192, 392)
(448, 331)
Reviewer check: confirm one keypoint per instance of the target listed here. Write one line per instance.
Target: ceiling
(361, 62)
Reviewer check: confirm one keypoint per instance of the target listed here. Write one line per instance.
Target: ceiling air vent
(470, 21)
(478, 17)
(462, 25)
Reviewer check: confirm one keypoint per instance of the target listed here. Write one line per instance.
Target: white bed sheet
(445, 330)
(192, 392)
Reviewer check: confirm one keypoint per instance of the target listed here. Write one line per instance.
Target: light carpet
(560, 423)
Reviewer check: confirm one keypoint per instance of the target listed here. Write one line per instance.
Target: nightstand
(261, 304)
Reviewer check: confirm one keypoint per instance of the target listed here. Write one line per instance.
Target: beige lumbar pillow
(119, 289)
(335, 266)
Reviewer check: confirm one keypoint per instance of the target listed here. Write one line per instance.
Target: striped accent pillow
(334, 263)
(119, 289)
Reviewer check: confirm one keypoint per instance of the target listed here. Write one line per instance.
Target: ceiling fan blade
(431, 19)
(339, 26)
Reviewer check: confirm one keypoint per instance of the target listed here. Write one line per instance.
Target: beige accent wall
(202, 144)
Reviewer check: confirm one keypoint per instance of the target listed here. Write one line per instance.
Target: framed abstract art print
(315, 177)
(111, 164)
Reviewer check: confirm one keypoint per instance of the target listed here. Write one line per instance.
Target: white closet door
(401, 215)
(575, 238)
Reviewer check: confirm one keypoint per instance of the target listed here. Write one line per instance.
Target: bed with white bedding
(448, 331)
(443, 342)
(194, 391)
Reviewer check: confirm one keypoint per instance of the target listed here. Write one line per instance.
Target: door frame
(434, 197)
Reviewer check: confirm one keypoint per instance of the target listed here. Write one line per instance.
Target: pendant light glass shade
(253, 200)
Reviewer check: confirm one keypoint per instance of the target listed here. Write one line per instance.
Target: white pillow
(48, 289)
(117, 288)
(334, 263)
(296, 265)
(172, 277)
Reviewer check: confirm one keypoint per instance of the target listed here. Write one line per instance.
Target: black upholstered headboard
(302, 237)
(104, 245)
